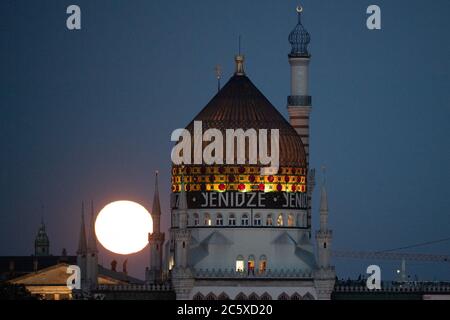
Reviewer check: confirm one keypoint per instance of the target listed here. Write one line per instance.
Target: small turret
(154, 274)
(324, 276)
(42, 243)
(82, 249)
(92, 253)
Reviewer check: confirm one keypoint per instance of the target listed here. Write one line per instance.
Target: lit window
(280, 220)
(207, 219)
(219, 220)
(257, 220)
(171, 263)
(196, 220)
(244, 220)
(262, 264)
(232, 220)
(269, 221)
(251, 265)
(290, 220)
(239, 264)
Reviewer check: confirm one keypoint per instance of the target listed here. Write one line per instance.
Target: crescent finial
(299, 9)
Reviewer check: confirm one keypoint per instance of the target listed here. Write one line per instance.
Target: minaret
(42, 243)
(182, 278)
(324, 235)
(183, 234)
(82, 249)
(156, 240)
(325, 275)
(92, 253)
(299, 101)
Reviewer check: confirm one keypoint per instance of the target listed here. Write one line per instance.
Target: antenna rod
(239, 45)
(218, 70)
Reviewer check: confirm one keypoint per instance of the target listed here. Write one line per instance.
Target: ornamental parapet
(135, 287)
(419, 287)
(269, 274)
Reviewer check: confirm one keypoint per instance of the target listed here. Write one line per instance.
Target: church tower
(92, 253)
(42, 243)
(156, 240)
(325, 274)
(182, 277)
(82, 249)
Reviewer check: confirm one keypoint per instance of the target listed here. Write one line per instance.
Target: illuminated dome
(240, 105)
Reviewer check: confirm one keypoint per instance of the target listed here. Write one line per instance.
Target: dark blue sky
(88, 114)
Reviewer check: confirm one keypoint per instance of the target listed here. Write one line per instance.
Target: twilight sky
(88, 114)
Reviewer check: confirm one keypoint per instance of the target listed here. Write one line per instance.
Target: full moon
(123, 227)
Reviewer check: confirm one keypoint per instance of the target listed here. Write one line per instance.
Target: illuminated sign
(263, 200)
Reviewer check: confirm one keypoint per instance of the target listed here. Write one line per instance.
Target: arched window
(244, 220)
(262, 264)
(207, 220)
(251, 264)
(269, 220)
(257, 220)
(241, 296)
(283, 296)
(266, 296)
(211, 296)
(198, 296)
(223, 296)
(291, 220)
(196, 219)
(232, 220)
(296, 296)
(219, 219)
(280, 220)
(253, 296)
(240, 264)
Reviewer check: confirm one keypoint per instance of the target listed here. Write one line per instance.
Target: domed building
(236, 231)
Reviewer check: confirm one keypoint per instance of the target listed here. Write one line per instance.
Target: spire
(182, 204)
(218, 70)
(323, 199)
(82, 246)
(92, 240)
(41, 242)
(239, 59)
(156, 209)
(299, 38)
(42, 217)
(323, 202)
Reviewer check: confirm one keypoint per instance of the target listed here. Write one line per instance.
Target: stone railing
(134, 287)
(299, 100)
(231, 273)
(421, 287)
